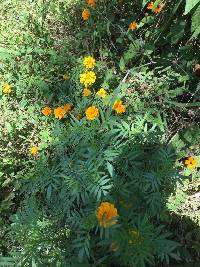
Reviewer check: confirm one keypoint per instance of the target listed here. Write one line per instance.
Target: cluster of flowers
(151, 7)
(86, 12)
(133, 25)
(88, 78)
(107, 216)
(59, 112)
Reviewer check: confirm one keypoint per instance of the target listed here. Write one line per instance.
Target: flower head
(88, 78)
(59, 113)
(150, 5)
(86, 14)
(7, 88)
(135, 237)
(65, 77)
(92, 113)
(114, 246)
(91, 3)
(89, 62)
(190, 162)
(86, 92)
(46, 111)
(78, 116)
(118, 107)
(157, 9)
(106, 214)
(101, 93)
(133, 25)
(34, 151)
(67, 108)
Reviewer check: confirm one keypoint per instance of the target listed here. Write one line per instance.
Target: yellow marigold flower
(101, 93)
(133, 26)
(106, 214)
(89, 62)
(65, 77)
(88, 78)
(114, 246)
(150, 5)
(91, 3)
(59, 113)
(67, 108)
(86, 14)
(46, 111)
(157, 9)
(7, 88)
(119, 107)
(86, 92)
(34, 151)
(92, 113)
(190, 162)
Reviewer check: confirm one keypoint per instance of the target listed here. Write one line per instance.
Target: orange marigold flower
(119, 107)
(59, 112)
(133, 25)
(106, 214)
(86, 92)
(101, 93)
(65, 77)
(157, 9)
(67, 108)
(86, 14)
(7, 88)
(150, 5)
(190, 162)
(34, 151)
(89, 62)
(92, 113)
(91, 3)
(46, 111)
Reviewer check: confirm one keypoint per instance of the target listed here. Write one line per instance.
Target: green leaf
(110, 169)
(196, 19)
(122, 64)
(196, 33)
(190, 4)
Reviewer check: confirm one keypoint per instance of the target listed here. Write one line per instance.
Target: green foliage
(134, 160)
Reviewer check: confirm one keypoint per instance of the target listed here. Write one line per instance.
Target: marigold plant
(88, 78)
(190, 162)
(59, 112)
(101, 93)
(114, 246)
(34, 150)
(150, 5)
(118, 107)
(67, 108)
(65, 77)
(157, 9)
(7, 88)
(92, 113)
(107, 214)
(89, 62)
(133, 25)
(86, 92)
(46, 111)
(86, 14)
(91, 3)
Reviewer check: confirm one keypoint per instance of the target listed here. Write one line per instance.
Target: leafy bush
(99, 153)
